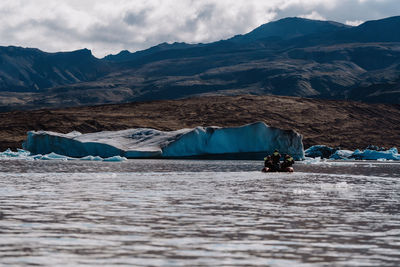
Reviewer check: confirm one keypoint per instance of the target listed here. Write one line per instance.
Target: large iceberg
(248, 141)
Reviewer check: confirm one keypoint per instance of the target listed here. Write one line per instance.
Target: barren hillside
(334, 123)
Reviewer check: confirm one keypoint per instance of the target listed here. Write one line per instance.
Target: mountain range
(290, 57)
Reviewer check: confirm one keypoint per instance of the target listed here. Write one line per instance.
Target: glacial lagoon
(198, 213)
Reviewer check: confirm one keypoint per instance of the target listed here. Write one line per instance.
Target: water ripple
(185, 218)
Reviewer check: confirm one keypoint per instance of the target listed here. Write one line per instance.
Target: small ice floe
(380, 154)
(50, 156)
(368, 154)
(316, 160)
(384, 160)
(115, 159)
(92, 158)
(21, 154)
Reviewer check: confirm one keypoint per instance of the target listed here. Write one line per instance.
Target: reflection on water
(198, 213)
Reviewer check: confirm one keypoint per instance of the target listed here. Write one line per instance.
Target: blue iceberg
(248, 141)
(368, 154)
(321, 151)
(341, 154)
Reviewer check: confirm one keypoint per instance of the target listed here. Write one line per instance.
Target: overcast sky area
(109, 26)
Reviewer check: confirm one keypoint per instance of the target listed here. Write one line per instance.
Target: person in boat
(268, 165)
(287, 163)
(275, 157)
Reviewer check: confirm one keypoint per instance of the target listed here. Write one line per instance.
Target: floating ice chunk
(382, 160)
(40, 157)
(23, 152)
(367, 154)
(51, 156)
(92, 158)
(316, 160)
(257, 138)
(19, 154)
(26, 155)
(10, 153)
(320, 151)
(115, 159)
(342, 154)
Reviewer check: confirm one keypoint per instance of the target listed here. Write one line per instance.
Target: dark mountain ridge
(125, 55)
(292, 56)
(27, 69)
(282, 34)
(289, 28)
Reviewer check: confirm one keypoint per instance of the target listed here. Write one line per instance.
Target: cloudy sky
(108, 26)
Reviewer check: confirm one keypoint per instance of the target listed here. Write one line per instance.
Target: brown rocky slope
(334, 123)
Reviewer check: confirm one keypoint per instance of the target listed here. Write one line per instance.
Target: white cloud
(313, 15)
(354, 22)
(106, 26)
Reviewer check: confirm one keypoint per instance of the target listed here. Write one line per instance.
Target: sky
(109, 26)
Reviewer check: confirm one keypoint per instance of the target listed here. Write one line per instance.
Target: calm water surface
(198, 213)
